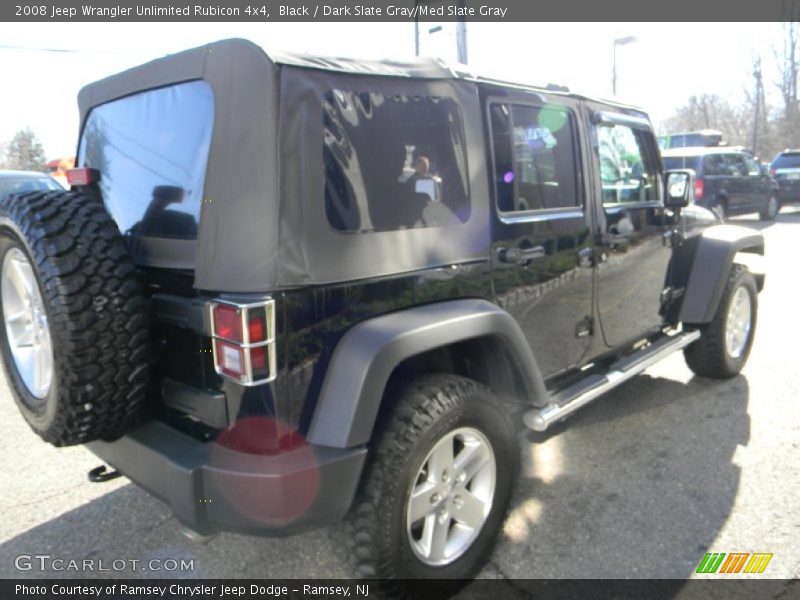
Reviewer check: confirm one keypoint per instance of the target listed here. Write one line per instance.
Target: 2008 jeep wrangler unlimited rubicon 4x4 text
(286, 291)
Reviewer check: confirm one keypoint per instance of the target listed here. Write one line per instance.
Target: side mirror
(678, 188)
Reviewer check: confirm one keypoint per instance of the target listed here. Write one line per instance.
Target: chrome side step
(571, 399)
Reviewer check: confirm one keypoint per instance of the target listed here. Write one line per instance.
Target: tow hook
(99, 475)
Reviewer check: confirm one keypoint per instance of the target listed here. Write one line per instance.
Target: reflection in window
(737, 167)
(151, 150)
(714, 165)
(753, 168)
(393, 162)
(627, 172)
(20, 185)
(534, 157)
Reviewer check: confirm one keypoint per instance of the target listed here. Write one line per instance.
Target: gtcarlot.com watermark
(48, 562)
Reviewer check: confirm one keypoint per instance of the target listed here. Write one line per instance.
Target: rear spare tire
(74, 333)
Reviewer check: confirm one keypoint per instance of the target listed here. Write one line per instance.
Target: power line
(68, 50)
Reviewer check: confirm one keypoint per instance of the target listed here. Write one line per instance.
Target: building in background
(57, 169)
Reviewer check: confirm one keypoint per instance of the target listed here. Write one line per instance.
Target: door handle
(520, 256)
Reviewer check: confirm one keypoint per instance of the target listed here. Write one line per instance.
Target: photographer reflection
(159, 221)
(425, 182)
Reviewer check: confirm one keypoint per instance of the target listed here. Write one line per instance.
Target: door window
(534, 157)
(753, 170)
(736, 165)
(627, 168)
(714, 165)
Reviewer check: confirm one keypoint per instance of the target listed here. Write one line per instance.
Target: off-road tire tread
(420, 404)
(707, 356)
(97, 313)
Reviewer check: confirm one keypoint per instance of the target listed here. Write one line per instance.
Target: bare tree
(25, 152)
(786, 60)
(710, 111)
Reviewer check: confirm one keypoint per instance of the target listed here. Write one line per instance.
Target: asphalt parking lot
(638, 484)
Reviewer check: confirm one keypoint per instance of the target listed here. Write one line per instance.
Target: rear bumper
(211, 488)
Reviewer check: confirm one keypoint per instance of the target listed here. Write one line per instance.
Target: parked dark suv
(785, 168)
(728, 181)
(286, 291)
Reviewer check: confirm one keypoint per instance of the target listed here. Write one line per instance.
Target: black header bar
(400, 10)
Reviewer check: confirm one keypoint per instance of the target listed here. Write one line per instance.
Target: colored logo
(734, 562)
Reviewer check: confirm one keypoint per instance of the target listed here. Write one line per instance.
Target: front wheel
(437, 488)
(771, 210)
(724, 346)
(720, 210)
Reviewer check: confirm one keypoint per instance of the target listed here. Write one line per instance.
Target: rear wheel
(74, 339)
(724, 346)
(437, 488)
(771, 210)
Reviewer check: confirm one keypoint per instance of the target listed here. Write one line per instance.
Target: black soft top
(263, 225)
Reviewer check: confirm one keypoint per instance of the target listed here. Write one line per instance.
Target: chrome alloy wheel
(451, 496)
(738, 323)
(26, 323)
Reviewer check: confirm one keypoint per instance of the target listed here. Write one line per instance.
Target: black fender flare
(365, 357)
(715, 253)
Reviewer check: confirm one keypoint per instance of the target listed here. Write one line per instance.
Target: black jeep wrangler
(286, 291)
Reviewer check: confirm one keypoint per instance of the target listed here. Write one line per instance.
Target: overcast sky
(668, 62)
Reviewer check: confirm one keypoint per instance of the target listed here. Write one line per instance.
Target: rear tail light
(698, 189)
(228, 323)
(83, 176)
(244, 341)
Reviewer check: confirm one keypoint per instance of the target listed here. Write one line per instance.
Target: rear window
(393, 162)
(786, 161)
(681, 162)
(151, 150)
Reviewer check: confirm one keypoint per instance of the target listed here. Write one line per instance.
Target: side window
(627, 169)
(534, 157)
(736, 165)
(714, 165)
(393, 162)
(753, 170)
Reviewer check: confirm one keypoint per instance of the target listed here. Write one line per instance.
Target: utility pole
(461, 30)
(461, 37)
(628, 39)
(759, 93)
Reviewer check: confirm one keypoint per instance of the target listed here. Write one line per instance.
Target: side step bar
(573, 398)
